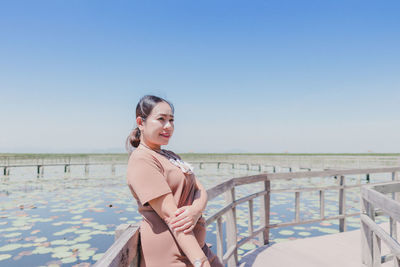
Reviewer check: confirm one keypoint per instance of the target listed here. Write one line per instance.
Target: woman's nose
(168, 125)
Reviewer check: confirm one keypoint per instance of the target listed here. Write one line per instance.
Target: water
(70, 219)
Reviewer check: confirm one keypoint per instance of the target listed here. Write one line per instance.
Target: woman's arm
(187, 216)
(165, 207)
(201, 197)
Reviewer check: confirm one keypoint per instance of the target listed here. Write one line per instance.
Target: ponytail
(133, 140)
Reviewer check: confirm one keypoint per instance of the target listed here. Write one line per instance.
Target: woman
(169, 196)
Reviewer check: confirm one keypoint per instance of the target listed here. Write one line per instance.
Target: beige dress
(151, 175)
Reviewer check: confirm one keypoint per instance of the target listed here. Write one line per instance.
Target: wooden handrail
(227, 188)
(373, 197)
(124, 251)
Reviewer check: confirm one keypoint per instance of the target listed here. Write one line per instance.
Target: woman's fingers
(186, 226)
(182, 222)
(179, 211)
(178, 217)
(189, 230)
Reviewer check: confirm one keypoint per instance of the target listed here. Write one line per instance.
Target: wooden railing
(124, 251)
(376, 198)
(66, 162)
(229, 255)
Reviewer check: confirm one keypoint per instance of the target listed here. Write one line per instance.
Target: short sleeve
(145, 176)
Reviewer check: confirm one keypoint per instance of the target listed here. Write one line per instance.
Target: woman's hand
(186, 219)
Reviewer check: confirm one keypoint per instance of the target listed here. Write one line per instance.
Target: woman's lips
(166, 135)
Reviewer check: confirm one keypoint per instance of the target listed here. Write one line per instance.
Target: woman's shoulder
(139, 155)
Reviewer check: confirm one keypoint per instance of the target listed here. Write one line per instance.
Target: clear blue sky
(244, 76)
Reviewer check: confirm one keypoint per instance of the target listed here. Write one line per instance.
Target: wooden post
(297, 208)
(259, 167)
(113, 169)
(231, 230)
(86, 169)
(251, 220)
(290, 169)
(218, 164)
(396, 261)
(376, 246)
(40, 170)
(233, 165)
(367, 177)
(220, 240)
(67, 168)
(274, 169)
(395, 196)
(366, 234)
(6, 171)
(264, 213)
(201, 165)
(322, 203)
(342, 205)
(118, 232)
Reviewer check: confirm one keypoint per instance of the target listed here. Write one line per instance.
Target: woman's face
(158, 127)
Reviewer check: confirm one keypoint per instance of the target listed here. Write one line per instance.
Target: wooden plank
(123, 250)
(395, 196)
(342, 204)
(221, 212)
(231, 230)
(249, 197)
(297, 206)
(265, 213)
(220, 247)
(248, 238)
(250, 179)
(332, 250)
(227, 256)
(378, 200)
(251, 217)
(219, 189)
(311, 174)
(376, 244)
(366, 236)
(385, 189)
(393, 245)
(322, 203)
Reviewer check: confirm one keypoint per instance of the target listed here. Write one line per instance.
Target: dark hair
(143, 110)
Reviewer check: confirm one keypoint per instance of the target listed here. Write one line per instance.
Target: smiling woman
(169, 196)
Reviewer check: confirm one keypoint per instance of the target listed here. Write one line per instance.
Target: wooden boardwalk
(333, 250)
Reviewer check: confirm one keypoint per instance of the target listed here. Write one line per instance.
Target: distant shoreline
(202, 154)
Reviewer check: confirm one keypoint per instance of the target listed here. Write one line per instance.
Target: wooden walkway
(333, 250)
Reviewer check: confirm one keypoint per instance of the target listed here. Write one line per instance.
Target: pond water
(69, 219)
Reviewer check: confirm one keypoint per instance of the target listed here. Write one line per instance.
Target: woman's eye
(171, 120)
(161, 118)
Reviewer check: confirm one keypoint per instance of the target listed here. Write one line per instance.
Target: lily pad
(286, 232)
(304, 233)
(10, 247)
(12, 235)
(69, 260)
(5, 256)
(62, 254)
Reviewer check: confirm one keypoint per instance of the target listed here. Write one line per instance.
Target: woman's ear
(139, 123)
